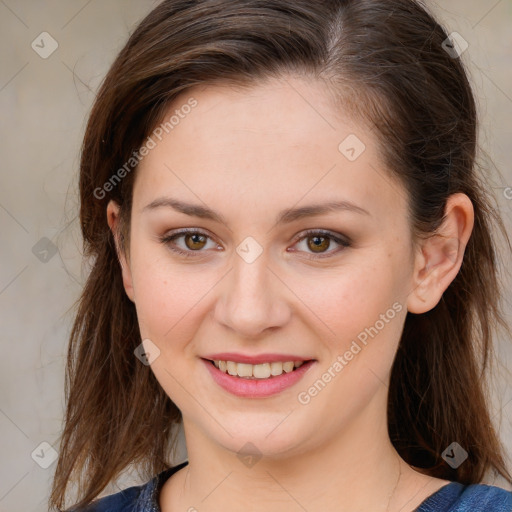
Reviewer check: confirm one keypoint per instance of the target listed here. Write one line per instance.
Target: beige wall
(44, 104)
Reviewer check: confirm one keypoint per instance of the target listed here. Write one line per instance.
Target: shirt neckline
(440, 497)
(436, 499)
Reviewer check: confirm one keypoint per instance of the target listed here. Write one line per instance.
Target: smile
(259, 380)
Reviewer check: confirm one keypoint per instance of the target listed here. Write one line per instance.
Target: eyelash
(343, 242)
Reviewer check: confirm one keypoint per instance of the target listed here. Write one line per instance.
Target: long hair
(388, 64)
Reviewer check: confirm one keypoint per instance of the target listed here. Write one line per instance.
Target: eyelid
(168, 237)
(342, 240)
(185, 231)
(338, 237)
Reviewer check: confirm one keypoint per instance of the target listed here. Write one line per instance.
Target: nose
(252, 299)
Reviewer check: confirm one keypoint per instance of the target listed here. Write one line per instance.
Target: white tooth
(288, 366)
(261, 371)
(244, 370)
(258, 371)
(231, 366)
(276, 368)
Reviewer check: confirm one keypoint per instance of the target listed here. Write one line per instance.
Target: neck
(358, 469)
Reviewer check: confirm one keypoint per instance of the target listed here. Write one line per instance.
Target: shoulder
(133, 499)
(125, 500)
(487, 497)
(456, 497)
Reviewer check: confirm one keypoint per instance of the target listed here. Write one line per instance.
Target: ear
(113, 222)
(440, 256)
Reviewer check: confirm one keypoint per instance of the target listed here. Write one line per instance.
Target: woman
(292, 257)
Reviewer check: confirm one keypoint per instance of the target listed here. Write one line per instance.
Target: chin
(258, 443)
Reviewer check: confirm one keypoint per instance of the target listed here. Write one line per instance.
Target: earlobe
(113, 222)
(440, 256)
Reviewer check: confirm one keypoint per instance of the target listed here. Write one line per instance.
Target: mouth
(260, 380)
(260, 371)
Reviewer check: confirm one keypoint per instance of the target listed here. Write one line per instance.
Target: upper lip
(256, 359)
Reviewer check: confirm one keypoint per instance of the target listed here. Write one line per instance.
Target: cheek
(362, 313)
(167, 296)
(349, 300)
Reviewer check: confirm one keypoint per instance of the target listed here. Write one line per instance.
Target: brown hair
(386, 59)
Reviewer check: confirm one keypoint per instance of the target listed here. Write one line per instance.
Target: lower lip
(256, 388)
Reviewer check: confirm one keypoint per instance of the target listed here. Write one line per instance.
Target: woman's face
(268, 273)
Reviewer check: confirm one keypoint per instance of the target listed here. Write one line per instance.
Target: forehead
(272, 144)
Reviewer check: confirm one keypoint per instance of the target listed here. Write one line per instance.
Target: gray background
(44, 105)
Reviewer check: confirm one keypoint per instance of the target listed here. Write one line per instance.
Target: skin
(248, 154)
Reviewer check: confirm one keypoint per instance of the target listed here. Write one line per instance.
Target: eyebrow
(284, 217)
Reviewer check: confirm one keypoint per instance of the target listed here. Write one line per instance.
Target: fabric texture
(453, 497)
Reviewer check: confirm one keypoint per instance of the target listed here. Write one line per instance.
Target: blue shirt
(453, 497)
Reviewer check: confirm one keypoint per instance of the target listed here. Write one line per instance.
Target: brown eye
(195, 241)
(189, 243)
(318, 243)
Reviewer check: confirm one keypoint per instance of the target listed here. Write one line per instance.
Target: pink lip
(256, 388)
(259, 359)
